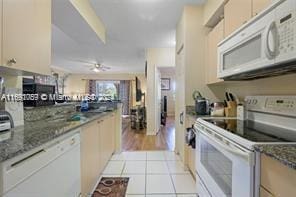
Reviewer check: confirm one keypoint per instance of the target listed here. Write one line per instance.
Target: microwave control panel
(286, 23)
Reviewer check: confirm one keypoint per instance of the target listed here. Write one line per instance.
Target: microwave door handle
(236, 151)
(271, 40)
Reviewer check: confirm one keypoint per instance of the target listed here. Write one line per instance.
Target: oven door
(225, 168)
(254, 47)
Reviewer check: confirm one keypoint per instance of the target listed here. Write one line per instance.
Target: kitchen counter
(34, 134)
(286, 154)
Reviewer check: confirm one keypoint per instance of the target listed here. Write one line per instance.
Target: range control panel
(280, 103)
(285, 105)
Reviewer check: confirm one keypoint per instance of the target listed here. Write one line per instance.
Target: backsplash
(48, 112)
(281, 85)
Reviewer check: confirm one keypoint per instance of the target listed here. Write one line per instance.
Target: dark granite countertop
(286, 154)
(34, 134)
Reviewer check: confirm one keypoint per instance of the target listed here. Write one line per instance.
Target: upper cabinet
(26, 35)
(236, 13)
(259, 5)
(213, 38)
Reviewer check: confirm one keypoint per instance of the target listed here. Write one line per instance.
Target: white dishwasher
(51, 172)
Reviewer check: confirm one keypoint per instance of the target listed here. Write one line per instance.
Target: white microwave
(265, 46)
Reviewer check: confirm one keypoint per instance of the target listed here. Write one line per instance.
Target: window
(107, 90)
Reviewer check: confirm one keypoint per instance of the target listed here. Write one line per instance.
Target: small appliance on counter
(84, 106)
(217, 109)
(202, 106)
(35, 88)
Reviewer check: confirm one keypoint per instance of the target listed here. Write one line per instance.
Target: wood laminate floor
(135, 140)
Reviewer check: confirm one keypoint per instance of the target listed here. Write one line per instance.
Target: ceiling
(131, 26)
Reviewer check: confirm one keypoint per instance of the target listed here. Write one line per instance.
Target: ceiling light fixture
(96, 70)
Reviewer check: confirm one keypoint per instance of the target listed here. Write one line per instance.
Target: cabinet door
(265, 193)
(259, 5)
(277, 178)
(236, 13)
(90, 157)
(104, 141)
(27, 35)
(214, 37)
(191, 163)
(112, 133)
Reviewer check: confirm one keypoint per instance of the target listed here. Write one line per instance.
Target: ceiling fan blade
(106, 67)
(82, 61)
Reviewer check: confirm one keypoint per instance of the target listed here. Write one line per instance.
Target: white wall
(156, 58)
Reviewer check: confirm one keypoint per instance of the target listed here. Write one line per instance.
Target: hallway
(136, 140)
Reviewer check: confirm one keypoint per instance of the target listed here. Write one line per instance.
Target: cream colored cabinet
(265, 193)
(236, 13)
(277, 180)
(107, 138)
(90, 157)
(26, 35)
(259, 5)
(97, 146)
(112, 133)
(213, 38)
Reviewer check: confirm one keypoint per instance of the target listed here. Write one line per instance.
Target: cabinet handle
(72, 141)
(11, 61)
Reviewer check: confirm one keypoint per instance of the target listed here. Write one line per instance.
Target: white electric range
(226, 161)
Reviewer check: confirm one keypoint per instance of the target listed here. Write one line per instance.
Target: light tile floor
(152, 174)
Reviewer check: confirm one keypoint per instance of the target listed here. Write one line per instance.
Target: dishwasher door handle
(17, 163)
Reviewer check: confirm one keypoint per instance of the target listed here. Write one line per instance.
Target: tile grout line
(166, 161)
(146, 176)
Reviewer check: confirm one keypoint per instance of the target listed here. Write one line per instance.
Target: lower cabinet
(90, 157)
(191, 160)
(265, 193)
(97, 146)
(277, 180)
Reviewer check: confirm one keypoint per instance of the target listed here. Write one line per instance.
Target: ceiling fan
(100, 67)
(96, 67)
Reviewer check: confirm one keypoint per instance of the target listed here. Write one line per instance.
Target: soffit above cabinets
(89, 15)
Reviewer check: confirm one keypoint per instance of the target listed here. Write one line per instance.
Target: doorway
(134, 140)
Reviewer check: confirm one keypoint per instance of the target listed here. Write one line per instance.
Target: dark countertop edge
(55, 106)
(276, 156)
(22, 154)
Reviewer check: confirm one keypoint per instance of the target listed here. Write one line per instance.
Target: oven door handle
(230, 147)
